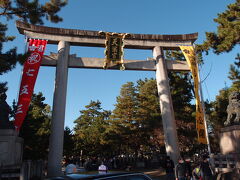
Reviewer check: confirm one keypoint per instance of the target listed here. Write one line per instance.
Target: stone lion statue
(4, 113)
(233, 109)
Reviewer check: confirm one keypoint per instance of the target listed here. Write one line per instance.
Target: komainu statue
(4, 113)
(233, 109)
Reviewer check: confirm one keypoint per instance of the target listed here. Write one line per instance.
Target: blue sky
(129, 16)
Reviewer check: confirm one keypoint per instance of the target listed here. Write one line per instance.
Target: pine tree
(89, 130)
(28, 11)
(150, 116)
(32, 11)
(36, 129)
(226, 38)
(228, 31)
(3, 87)
(69, 144)
(125, 120)
(8, 59)
(234, 74)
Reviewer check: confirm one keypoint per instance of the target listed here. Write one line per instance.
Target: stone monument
(11, 146)
(230, 138)
(230, 134)
(233, 109)
(4, 113)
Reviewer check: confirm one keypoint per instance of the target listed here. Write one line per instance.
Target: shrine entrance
(62, 60)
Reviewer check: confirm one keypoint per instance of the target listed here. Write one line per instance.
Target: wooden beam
(97, 63)
(95, 34)
(93, 39)
(96, 42)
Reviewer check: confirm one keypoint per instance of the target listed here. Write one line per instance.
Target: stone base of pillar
(230, 140)
(11, 148)
(227, 164)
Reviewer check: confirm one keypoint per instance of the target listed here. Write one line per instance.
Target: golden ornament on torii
(114, 51)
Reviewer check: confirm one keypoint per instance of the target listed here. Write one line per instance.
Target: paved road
(156, 174)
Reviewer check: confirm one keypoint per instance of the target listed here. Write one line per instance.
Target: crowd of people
(188, 170)
(185, 169)
(115, 163)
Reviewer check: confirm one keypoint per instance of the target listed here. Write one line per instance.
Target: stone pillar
(58, 114)
(168, 119)
(11, 149)
(230, 140)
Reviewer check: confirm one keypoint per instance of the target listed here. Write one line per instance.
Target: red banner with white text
(36, 49)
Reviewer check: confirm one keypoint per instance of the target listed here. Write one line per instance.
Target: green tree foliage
(137, 117)
(36, 129)
(226, 38)
(217, 115)
(3, 87)
(228, 31)
(29, 11)
(181, 91)
(150, 116)
(90, 128)
(125, 117)
(32, 11)
(135, 125)
(8, 59)
(68, 146)
(234, 74)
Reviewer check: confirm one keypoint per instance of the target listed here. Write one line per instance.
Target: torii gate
(63, 60)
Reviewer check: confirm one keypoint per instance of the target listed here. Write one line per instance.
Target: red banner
(36, 49)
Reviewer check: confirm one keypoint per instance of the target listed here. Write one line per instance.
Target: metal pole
(203, 106)
(204, 114)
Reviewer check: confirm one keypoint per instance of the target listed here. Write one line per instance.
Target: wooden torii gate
(63, 60)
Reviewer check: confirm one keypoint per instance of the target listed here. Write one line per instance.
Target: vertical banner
(36, 49)
(190, 56)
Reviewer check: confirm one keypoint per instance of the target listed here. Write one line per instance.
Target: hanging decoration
(114, 52)
(36, 49)
(190, 56)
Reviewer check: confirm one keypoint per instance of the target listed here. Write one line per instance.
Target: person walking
(169, 168)
(71, 167)
(181, 170)
(196, 173)
(205, 168)
(188, 165)
(102, 168)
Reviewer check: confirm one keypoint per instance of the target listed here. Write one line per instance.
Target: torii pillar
(58, 114)
(166, 107)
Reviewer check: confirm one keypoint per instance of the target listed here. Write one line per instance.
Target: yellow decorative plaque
(114, 49)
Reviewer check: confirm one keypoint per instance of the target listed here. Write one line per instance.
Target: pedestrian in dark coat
(181, 170)
(188, 168)
(169, 168)
(205, 168)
